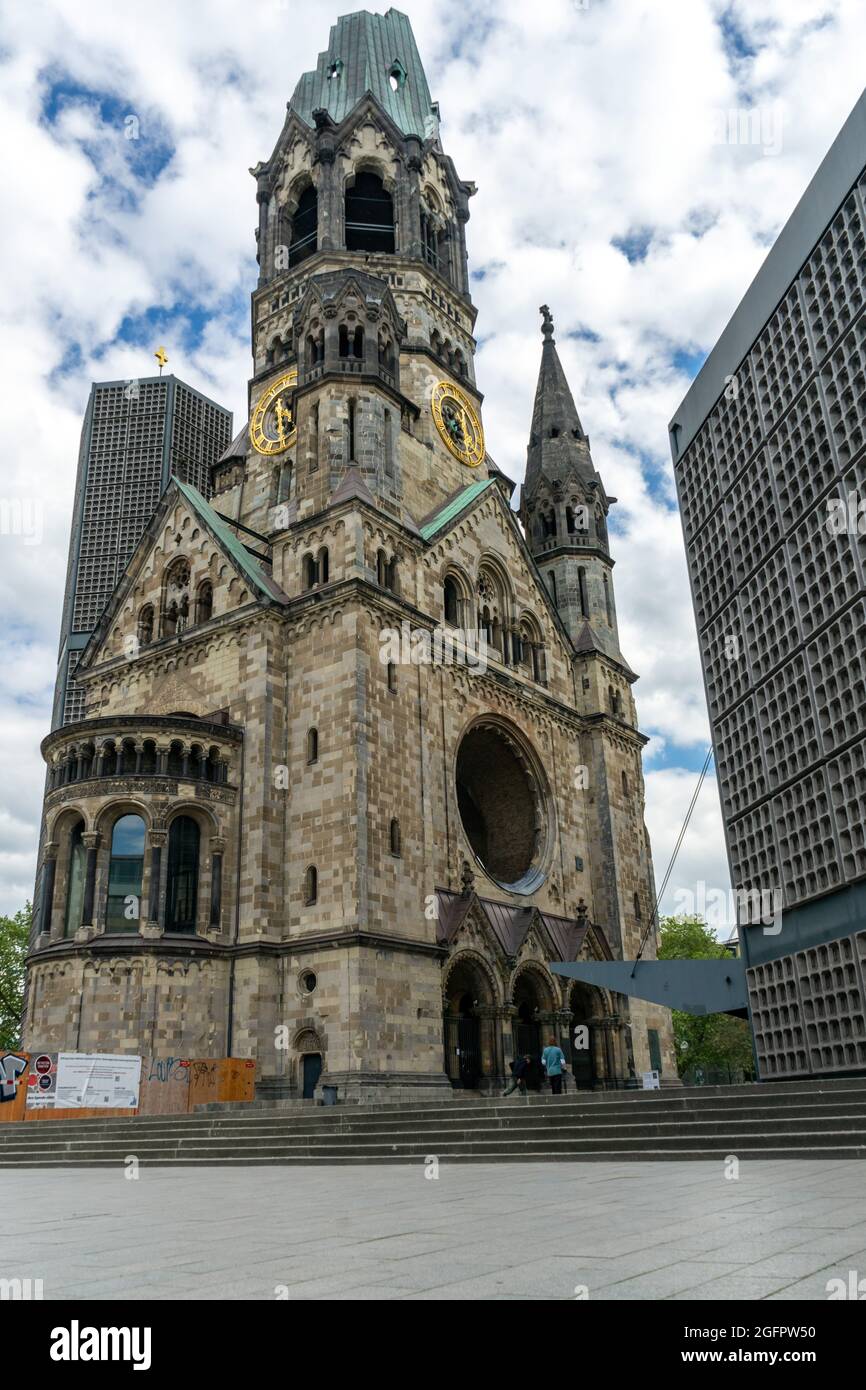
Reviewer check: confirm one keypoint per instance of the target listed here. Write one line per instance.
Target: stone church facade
(360, 755)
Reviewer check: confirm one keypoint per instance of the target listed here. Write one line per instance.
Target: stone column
(217, 849)
(263, 200)
(562, 1030)
(151, 924)
(91, 841)
(371, 342)
(330, 213)
(332, 339)
(411, 243)
(162, 758)
(461, 270)
(487, 1015)
(507, 1014)
(46, 902)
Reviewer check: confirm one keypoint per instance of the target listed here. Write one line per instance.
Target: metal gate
(527, 1039)
(462, 1050)
(582, 1065)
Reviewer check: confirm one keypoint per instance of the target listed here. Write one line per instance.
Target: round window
(503, 808)
(308, 981)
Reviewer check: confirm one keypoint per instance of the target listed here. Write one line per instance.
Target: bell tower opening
(369, 214)
(305, 227)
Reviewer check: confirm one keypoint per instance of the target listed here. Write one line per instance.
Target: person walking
(518, 1076)
(553, 1061)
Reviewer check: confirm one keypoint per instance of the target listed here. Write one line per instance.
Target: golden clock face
(458, 423)
(272, 428)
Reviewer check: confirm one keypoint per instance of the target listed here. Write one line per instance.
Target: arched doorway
(311, 1071)
(468, 1051)
(529, 1001)
(583, 1010)
(309, 1045)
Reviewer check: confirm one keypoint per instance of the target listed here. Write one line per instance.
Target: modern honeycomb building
(769, 450)
(136, 435)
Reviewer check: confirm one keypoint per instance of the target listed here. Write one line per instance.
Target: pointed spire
(557, 444)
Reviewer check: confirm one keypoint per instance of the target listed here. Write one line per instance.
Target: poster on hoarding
(42, 1081)
(83, 1080)
(97, 1079)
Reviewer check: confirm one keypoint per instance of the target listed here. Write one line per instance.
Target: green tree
(14, 936)
(719, 1042)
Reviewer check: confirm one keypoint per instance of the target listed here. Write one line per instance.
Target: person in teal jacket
(553, 1061)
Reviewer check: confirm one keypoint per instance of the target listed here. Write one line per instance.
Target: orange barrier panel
(169, 1086)
(83, 1112)
(165, 1086)
(227, 1078)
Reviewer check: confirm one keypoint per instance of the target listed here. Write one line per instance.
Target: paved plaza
(504, 1231)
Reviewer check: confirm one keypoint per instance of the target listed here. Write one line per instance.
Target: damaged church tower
(274, 833)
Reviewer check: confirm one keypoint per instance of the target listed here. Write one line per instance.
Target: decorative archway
(311, 1056)
(589, 1062)
(469, 1010)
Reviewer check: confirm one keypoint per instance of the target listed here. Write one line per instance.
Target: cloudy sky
(592, 128)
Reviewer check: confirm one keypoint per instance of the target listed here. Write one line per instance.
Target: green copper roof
(364, 52)
(454, 507)
(238, 552)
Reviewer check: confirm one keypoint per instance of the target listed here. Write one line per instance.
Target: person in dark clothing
(518, 1073)
(534, 1074)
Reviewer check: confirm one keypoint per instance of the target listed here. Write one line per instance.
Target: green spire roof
(370, 53)
(454, 507)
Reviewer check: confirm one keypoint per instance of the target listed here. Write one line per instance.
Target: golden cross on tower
(161, 358)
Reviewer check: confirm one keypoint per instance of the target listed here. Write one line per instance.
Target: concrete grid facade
(770, 463)
(136, 435)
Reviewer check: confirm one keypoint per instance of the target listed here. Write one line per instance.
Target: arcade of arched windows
(120, 870)
(87, 759)
(280, 349)
(511, 637)
(183, 605)
(450, 355)
(315, 568)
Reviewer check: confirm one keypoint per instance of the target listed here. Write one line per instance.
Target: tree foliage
(710, 1042)
(14, 936)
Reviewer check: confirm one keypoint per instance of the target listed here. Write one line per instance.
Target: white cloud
(582, 126)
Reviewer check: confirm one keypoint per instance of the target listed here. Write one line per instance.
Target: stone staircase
(808, 1119)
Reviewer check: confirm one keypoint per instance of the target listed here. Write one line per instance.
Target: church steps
(806, 1118)
(513, 1114)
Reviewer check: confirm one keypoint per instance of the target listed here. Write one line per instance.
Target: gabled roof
(452, 508)
(437, 521)
(363, 50)
(511, 924)
(589, 640)
(239, 447)
(352, 486)
(233, 547)
(260, 581)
